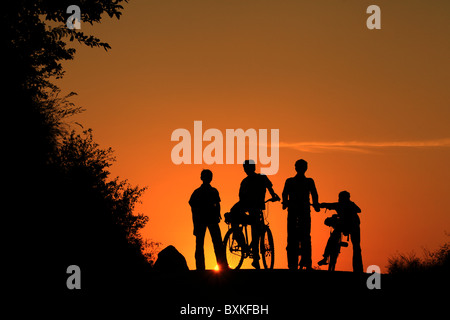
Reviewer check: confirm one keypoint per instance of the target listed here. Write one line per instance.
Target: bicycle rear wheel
(233, 251)
(267, 248)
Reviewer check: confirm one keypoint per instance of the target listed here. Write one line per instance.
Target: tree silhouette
(35, 33)
(66, 207)
(35, 42)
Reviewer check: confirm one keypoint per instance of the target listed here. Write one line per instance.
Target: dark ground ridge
(288, 294)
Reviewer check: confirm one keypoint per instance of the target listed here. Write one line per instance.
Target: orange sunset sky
(368, 109)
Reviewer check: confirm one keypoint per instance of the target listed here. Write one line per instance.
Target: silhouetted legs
(305, 241)
(299, 236)
(355, 236)
(293, 241)
(219, 249)
(256, 223)
(254, 218)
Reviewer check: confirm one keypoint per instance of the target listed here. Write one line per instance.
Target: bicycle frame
(240, 251)
(336, 249)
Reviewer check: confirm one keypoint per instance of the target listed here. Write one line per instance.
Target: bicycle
(236, 252)
(335, 241)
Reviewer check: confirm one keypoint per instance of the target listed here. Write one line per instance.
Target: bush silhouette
(433, 261)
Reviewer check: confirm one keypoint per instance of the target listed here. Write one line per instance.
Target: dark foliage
(35, 37)
(67, 208)
(437, 261)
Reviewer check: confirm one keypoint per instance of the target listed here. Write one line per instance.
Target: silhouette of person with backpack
(296, 198)
(348, 223)
(205, 206)
(252, 194)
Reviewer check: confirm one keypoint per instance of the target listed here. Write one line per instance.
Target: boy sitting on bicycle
(347, 222)
(252, 193)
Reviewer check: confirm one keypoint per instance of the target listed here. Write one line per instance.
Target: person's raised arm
(272, 193)
(329, 205)
(314, 196)
(269, 187)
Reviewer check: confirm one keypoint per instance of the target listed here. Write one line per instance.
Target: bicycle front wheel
(267, 248)
(233, 251)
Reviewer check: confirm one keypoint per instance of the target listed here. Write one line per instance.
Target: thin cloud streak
(363, 146)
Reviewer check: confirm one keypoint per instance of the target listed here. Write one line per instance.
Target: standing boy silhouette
(295, 196)
(205, 206)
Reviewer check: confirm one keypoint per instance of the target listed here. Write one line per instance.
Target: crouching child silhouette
(205, 206)
(347, 222)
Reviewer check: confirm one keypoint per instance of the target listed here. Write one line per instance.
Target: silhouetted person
(205, 205)
(252, 194)
(349, 224)
(296, 198)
